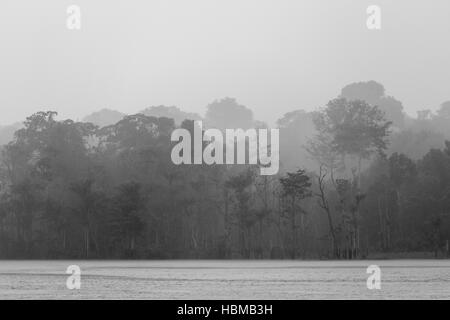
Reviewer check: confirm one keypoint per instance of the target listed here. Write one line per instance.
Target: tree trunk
(86, 239)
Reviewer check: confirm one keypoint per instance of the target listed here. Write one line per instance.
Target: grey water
(206, 279)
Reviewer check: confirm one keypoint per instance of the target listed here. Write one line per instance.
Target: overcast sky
(274, 56)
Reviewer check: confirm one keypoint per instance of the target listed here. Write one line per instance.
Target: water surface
(400, 279)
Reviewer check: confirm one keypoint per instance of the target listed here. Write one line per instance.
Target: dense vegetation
(358, 177)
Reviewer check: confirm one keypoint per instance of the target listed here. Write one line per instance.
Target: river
(214, 279)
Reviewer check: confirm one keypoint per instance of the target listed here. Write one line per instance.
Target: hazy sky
(274, 56)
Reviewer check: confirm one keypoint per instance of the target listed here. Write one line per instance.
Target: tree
(296, 187)
(228, 114)
(171, 112)
(401, 170)
(296, 128)
(71, 190)
(444, 110)
(324, 204)
(352, 129)
(86, 209)
(374, 94)
(128, 221)
(355, 127)
(240, 184)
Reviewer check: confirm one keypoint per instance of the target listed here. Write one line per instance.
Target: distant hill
(170, 112)
(104, 117)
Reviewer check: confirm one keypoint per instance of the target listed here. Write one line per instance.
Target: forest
(358, 178)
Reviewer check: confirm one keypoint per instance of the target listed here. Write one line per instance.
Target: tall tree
(296, 187)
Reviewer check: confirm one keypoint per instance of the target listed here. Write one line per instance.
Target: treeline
(75, 190)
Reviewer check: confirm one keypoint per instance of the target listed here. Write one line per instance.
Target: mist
(273, 56)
